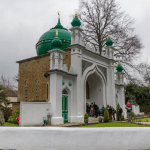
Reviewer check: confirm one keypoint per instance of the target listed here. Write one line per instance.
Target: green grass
(9, 124)
(114, 124)
(142, 120)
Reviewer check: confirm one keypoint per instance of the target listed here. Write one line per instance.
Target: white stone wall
(44, 138)
(32, 113)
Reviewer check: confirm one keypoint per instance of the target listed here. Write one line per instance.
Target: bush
(122, 117)
(7, 113)
(2, 120)
(12, 119)
(106, 116)
(117, 113)
(86, 116)
(145, 109)
(132, 115)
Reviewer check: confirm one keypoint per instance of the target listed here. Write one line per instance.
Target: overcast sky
(24, 21)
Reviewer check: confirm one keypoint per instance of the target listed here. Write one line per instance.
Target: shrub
(2, 120)
(106, 116)
(145, 109)
(7, 113)
(117, 113)
(122, 117)
(12, 119)
(132, 115)
(86, 116)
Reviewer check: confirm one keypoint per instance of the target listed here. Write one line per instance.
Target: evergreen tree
(106, 116)
(118, 117)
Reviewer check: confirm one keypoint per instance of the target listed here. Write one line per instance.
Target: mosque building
(65, 75)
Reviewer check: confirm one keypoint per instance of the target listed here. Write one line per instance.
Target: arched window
(87, 91)
(64, 92)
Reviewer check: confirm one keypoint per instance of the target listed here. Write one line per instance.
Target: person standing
(91, 111)
(102, 110)
(129, 108)
(113, 113)
(110, 113)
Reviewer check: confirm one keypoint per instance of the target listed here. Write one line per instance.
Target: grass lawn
(114, 124)
(9, 124)
(142, 120)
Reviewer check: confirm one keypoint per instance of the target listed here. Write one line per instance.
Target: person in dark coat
(102, 110)
(91, 109)
(129, 108)
(110, 113)
(113, 112)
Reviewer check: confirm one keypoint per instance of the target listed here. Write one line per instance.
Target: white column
(56, 98)
(56, 60)
(72, 37)
(51, 61)
(61, 61)
(76, 36)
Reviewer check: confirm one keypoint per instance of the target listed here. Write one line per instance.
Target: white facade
(86, 66)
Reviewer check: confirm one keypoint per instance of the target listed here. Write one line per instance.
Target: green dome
(119, 68)
(45, 42)
(109, 42)
(76, 22)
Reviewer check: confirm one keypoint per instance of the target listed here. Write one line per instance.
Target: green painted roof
(45, 42)
(109, 42)
(119, 68)
(76, 22)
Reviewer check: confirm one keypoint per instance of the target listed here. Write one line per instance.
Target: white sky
(24, 21)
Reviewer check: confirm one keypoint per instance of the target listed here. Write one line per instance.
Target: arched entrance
(95, 89)
(65, 105)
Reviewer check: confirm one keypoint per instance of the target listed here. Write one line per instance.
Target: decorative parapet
(103, 70)
(85, 64)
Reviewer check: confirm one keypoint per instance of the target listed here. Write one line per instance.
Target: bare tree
(5, 82)
(102, 17)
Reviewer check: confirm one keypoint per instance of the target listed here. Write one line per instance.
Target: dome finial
(58, 15)
(108, 36)
(76, 15)
(56, 34)
(119, 63)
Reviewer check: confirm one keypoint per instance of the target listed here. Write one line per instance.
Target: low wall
(32, 113)
(45, 138)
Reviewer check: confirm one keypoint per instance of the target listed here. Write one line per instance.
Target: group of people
(94, 110)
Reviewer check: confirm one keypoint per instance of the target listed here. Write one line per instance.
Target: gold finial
(108, 36)
(119, 63)
(58, 15)
(56, 34)
(76, 15)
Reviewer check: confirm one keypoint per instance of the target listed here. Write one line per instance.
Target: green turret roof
(119, 68)
(109, 42)
(56, 43)
(76, 22)
(45, 42)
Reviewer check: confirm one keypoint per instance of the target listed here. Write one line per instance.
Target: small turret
(109, 42)
(56, 43)
(119, 68)
(76, 22)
